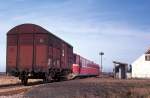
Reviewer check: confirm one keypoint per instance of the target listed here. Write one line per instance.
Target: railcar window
(58, 62)
(54, 63)
(41, 40)
(80, 63)
(49, 62)
(63, 52)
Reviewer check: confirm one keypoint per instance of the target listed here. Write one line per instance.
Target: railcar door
(41, 54)
(50, 57)
(56, 58)
(25, 51)
(11, 52)
(63, 56)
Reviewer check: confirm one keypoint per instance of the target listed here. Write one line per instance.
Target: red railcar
(84, 67)
(33, 52)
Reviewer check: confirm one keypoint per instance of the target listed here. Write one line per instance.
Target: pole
(101, 64)
(101, 54)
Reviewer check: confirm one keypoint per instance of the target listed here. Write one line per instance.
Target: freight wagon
(83, 67)
(33, 52)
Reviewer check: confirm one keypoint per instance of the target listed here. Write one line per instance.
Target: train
(35, 53)
(83, 67)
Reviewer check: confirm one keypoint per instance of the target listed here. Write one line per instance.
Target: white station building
(141, 66)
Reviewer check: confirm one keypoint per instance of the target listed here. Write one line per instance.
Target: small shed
(120, 70)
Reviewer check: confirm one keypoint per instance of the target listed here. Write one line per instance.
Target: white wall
(141, 68)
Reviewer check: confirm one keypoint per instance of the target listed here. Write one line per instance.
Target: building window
(147, 57)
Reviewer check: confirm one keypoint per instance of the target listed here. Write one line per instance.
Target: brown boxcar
(33, 52)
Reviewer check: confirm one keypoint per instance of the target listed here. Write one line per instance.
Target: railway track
(12, 89)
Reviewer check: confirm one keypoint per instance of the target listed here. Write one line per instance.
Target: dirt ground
(11, 87)
(7, 80)
(11, 80)
(93, 88)
(82, 88)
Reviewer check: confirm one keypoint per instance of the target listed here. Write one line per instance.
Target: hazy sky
(119, 28)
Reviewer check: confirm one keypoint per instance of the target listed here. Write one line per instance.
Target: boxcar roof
(31, 28)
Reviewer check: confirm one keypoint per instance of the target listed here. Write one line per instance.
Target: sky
(119, 28)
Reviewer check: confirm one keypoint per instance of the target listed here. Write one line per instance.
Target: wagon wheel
(24, 81)
(58, 79)
(47, 78)
(52, 74)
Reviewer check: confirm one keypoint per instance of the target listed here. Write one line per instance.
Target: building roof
(148, 51)
(120, 63)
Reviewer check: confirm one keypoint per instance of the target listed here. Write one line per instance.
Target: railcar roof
(31, 28)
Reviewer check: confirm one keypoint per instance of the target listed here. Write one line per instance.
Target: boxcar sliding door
(11, 52)
(25, 53)
(41, 54)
